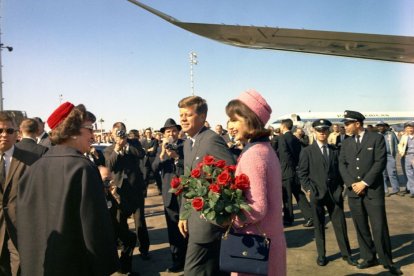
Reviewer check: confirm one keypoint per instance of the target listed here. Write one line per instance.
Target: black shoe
(393, 270)
(366, 264)
(176, 268)
(309, 223)
(145, 256)
(350, 260)
(287, 223)
(134, 274)
(321, 260)
(387, 194)
(411, 196)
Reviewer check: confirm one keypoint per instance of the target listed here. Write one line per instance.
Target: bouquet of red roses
(213, 190)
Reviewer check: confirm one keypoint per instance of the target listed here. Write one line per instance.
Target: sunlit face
(7, 139)
(239, 128)
(85, 138)
(409, 130)
(219, 129)
(351, 128)
(190, 121)
(148, 134)
(322, 134)
(171, 132)
(230, 128)
(335, 128)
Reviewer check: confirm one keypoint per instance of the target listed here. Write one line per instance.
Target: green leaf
(219, 206)
(239, 193)
(184, 215)
(190, 194)
(202, 191)
(229, 209)
(245, 207)
(242, 216)
(211, 215)
(187, 171)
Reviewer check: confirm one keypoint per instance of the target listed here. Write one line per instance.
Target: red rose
(242, 182)
(198, 203)
(231, 168)
(175, 182)
(195, 173)
(208, 160)
(223, 178)
(221, 164)
(214, 188)
(200, 165)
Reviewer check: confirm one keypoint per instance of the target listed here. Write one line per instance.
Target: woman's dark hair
(255, 126)
(71, 125)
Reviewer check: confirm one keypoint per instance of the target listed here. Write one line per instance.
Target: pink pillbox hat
(257, 104)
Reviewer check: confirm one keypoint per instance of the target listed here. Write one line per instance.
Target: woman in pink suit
(249, 114)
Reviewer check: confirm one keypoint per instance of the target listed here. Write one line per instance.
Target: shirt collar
(9, 153)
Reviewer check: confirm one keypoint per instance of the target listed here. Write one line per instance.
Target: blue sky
(126, 64)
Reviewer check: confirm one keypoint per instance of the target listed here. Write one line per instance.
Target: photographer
(118, 205)
(169, 161)
(123, 158)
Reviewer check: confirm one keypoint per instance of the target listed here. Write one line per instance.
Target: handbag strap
(259, 229)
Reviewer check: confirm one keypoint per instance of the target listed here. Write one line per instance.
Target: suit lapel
(318, 153)
(13, 167)
(364, 140)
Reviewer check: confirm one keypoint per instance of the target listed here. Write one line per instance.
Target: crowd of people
(65, 203)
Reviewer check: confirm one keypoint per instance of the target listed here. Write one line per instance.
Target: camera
(121, 133)
(170, 146)
(107, 183)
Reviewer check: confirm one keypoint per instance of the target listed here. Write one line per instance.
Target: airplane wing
(357, 45)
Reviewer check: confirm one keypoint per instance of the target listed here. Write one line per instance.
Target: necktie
(325, 153)
(2, 171)
(358, 142)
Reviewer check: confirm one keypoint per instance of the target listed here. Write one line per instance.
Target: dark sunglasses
(7, 130)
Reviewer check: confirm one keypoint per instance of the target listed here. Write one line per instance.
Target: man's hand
(359, 187)
(120, 143)
(182, 226)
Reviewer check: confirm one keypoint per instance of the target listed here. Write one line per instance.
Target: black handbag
(245, 253)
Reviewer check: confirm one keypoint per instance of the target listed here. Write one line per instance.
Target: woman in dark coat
(64, 227)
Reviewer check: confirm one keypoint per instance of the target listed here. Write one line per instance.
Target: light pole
(60, 98)
(1, 67)
(193, 61)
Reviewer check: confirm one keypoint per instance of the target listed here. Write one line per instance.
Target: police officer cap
(409, 124)
(352, 116)
(321, 124)
(381, 123)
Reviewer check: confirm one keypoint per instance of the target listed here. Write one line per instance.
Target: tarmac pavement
(301, 251)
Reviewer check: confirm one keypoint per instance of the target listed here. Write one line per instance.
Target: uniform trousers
(337, 216)
(364, 209)
(203, 259)
(291, 187)
(391, 172)
(409, 171)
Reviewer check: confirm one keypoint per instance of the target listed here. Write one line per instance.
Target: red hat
(257, 104)
(59, 114)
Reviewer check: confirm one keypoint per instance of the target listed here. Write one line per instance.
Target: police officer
(362, 160)
(319, 175)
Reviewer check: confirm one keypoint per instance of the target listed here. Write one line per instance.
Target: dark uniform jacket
(288, 150)
(169, 168)
(29, 144)
(367, 164)
(63, 220)
(207, 142)
(318, 176)
(150, 156)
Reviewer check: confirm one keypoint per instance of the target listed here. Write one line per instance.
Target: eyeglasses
(7, 130)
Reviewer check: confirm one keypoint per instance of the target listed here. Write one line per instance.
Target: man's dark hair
(288, 123)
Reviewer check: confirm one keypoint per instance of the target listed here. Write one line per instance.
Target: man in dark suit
(28, 130)
(13, 163)
(341, 137)
(319, 175)
(362, 160)
(204, 237)
(150, 145)
(288, 150)
(123, 158)
(170, 162)
(42, 136)
(96, 156)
